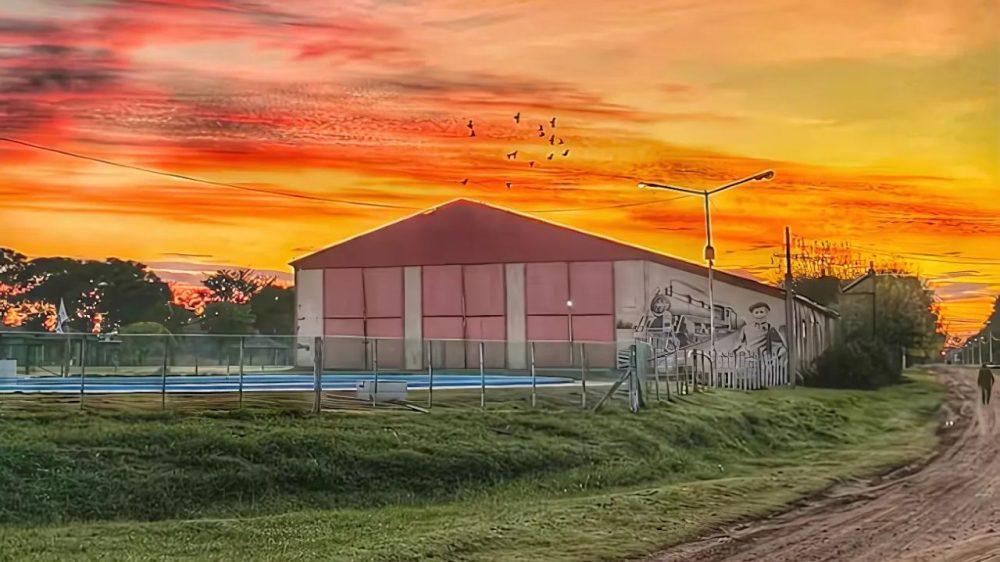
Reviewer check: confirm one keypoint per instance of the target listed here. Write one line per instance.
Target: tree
(12, 267)
(118, 292)
(179, 318)
(274, 309)
(815, 259)
(898, 311)
(236, 285)
(227, 318)
(141, 340)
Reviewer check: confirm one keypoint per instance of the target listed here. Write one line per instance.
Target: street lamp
(709, 249)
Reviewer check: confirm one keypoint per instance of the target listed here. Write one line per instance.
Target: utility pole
(790, 331)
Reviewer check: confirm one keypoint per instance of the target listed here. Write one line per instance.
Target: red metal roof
(471, 232)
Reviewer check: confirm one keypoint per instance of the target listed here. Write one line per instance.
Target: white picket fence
(741, 371)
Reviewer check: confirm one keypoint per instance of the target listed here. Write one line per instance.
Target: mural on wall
(758, 336)
(678, 317)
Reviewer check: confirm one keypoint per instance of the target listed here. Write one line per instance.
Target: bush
(860, 363)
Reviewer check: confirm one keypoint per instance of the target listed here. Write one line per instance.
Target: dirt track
(948, 510)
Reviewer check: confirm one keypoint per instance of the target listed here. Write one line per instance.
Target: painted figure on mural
(759, 336)
(662, 325)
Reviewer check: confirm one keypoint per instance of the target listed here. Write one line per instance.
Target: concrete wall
(670, 308)
(413, 319)
(516, 335)
(308, 311)
(650, 301)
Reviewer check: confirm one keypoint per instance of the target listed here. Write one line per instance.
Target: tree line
(893, 317)
(112, 295)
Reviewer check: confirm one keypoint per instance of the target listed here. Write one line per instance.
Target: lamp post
(709, 249)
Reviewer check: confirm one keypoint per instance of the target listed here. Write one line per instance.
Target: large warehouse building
(470, 271)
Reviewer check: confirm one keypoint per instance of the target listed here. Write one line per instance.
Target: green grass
(455, 484)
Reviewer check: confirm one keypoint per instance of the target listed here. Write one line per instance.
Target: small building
(467, 271)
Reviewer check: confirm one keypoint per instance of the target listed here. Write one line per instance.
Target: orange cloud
(345, 101)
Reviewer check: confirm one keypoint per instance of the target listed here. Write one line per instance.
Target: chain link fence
(195, 372)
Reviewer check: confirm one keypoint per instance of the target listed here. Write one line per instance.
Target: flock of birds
(548, 136)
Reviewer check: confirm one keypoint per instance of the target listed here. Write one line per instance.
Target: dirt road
(948, 510)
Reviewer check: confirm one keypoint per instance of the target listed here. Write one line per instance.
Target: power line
(293, 195)
(602, 207)
(204, 181)
(924, 257)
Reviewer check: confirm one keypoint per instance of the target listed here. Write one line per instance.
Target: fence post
(656, 374)
(375, 367)
(83, 368)
(67, 352)
(534, 385)
(163, 377)
(666, 371)
(677, 373)
(482, 378)
(317, 373)
(430, 375)
(242, 350)
(634, 387)
(195, 353)
(694, 375)
(583, 375)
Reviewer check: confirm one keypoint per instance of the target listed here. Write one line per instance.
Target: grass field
(454, 484)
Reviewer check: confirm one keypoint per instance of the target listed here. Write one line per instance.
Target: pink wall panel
(484, 290)
(385, 327)
(443, 327)
(591, 286)
(344, 327)
(548, 328)
(342, 297)
(546, 288)
(442, 290)
(594, 328)
(486, 327)
(384, 292)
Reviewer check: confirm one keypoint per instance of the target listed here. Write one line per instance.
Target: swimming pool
(286, 382)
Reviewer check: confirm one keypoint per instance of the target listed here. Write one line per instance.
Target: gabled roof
(870, 274)
(470, 232)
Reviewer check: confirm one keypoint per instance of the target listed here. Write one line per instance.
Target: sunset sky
(881, 119)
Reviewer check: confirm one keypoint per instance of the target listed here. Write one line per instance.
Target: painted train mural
(676, 318)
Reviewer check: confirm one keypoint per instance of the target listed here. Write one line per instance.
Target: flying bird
(508, 184)
(531, 164)
(549, 157)
(465, 181)
(517, 117)
(541, 131)
(512, 155)
(552, 139)
(561, 141)
(553, 122)
(566, 152)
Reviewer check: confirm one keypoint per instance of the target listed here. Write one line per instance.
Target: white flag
(61, 318)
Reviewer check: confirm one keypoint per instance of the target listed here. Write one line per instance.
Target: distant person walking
(985, 383)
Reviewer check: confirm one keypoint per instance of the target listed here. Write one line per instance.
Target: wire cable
(204, 181)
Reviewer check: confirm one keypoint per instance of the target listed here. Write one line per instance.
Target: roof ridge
(658, 256)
